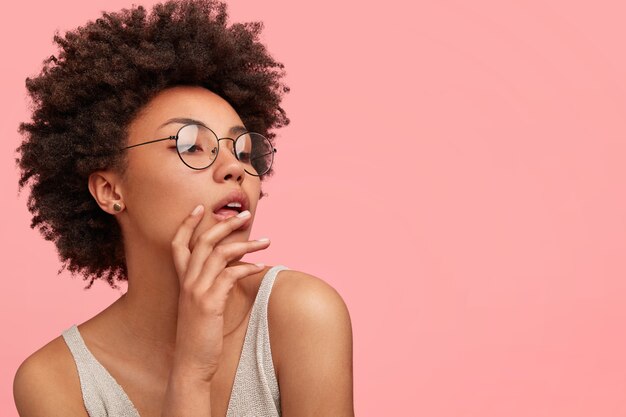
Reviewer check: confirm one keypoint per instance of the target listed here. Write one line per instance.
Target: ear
(105, 187)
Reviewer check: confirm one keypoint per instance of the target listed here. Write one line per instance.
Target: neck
(146, 316)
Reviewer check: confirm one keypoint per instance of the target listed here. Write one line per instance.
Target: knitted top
(255, 389)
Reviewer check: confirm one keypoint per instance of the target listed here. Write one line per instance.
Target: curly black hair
(85, 98)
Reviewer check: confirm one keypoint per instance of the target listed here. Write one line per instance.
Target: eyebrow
(234, 130)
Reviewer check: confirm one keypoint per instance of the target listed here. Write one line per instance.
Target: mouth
(232, 204)
(225, 213)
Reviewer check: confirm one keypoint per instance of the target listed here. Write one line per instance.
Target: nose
(227, 166)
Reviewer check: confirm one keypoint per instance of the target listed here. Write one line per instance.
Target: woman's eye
(244, 156)
(192, 149)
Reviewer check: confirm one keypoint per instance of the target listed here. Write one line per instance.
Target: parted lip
(235, 195)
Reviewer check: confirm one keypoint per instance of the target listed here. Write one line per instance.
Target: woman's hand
(205, 284)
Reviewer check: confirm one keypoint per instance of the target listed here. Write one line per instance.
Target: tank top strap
(102, 395)
(255, 390)
(263, 295)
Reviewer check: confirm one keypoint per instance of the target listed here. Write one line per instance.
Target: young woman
(149, 141)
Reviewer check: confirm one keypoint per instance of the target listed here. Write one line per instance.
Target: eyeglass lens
(198, 147)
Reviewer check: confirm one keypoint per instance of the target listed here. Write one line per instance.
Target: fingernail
(263, 239)
(260, 265)
(244, 213)
(197, 210)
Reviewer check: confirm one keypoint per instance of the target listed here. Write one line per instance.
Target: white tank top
(255, 389)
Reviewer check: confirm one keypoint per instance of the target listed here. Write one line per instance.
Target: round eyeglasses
(198, 146)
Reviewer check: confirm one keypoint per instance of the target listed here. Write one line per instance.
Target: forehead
(186, 102)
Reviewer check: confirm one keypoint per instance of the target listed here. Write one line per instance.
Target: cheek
(159, 200)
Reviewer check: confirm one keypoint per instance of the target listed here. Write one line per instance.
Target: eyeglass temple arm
(274, 150)
(151, 141)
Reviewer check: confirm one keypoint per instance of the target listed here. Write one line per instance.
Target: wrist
(185, 374)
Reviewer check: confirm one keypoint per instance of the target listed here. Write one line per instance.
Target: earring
(117, 207)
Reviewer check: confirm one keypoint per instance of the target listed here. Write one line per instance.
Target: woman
(149, 141)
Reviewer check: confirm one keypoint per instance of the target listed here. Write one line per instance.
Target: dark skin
(178, 331)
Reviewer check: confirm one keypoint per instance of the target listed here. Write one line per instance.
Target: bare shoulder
(301, 302)
(46, 383)
(311, 339)
(297, 291)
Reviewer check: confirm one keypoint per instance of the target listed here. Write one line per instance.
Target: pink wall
(456, 171)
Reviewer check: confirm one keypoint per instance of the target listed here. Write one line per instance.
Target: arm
(187, 396)
(39, 390)
(311, 339)
(206, 280)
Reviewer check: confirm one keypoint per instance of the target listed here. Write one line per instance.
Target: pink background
(456, 171)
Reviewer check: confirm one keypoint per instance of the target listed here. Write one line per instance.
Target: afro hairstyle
(105, 72)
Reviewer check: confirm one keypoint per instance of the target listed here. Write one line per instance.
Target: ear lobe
(102, 186)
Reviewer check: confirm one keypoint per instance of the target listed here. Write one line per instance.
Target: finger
(180, 242)
(218, 293)
(219, 258)
(223, 228)
(208, 240)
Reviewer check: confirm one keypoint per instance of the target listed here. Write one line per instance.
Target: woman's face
(159, 191)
